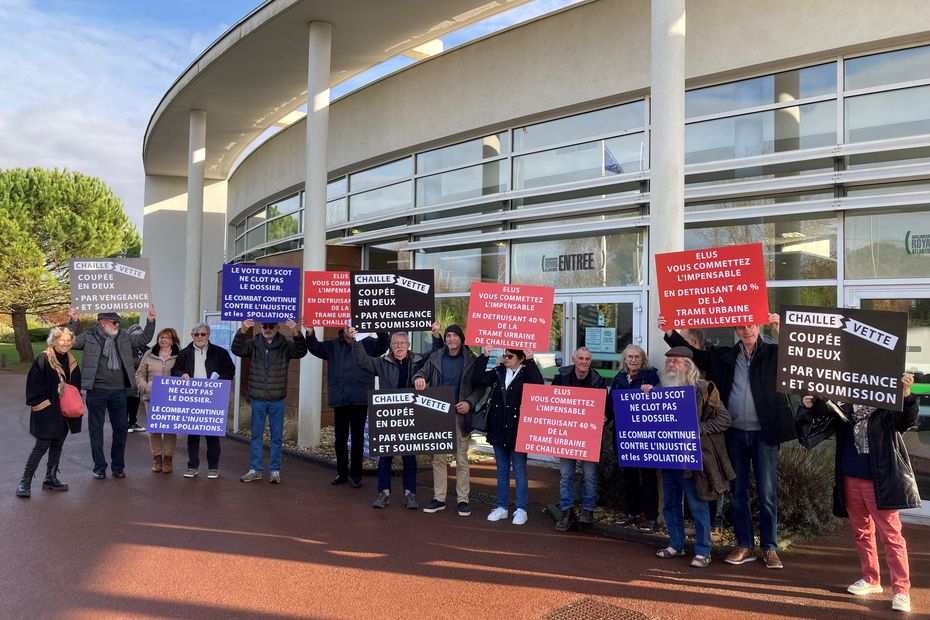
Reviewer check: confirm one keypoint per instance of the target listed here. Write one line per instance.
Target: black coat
(217, 361)
(772, 407)
(504, 403)
(45, 420)
(346, 382)
(270, 361)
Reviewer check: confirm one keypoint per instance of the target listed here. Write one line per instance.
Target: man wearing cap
(271, 354)
(762, 420)
(452, 366)
(107, 373)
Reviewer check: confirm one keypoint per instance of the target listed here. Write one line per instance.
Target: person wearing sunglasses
(271, 353)
(506, 382)
(201, 359)
(108, 373)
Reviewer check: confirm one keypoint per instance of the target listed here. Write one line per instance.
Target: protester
(51, 369)
(578, 374)
(452, 366)
(761, 421)
(271, 354)
(506, 382)
(640, 484)
(347, 387)
(158, 362)
(201, 359)
(874, 480)
(133, 397)
(108, 371)
(700, 486)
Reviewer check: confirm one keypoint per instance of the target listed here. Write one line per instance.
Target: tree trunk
(21, 336)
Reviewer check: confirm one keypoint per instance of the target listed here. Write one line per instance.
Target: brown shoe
(166, 464)
(770, 557)
(741, 555)
(157, 466)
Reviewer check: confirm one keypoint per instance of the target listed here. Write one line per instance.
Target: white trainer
(497, 514)
(901, 602)
(863, 587)
(519, 516)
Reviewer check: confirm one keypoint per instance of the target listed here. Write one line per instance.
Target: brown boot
(157, 466)
(166, 464)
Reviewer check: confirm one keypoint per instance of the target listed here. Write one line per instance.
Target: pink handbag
(70, 402)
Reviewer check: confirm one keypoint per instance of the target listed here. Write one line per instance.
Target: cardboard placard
(403, 300)
(327, 299)
(562, 421)
(411, 421)
(845, 355)
(657, 429)
(511, 316)
(110, 284)
(262, 293)
(713, 287)
(191, 407)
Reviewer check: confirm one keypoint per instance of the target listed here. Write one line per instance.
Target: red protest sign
(509, 315)
(326, 299)
(714, 287)
(561, 421)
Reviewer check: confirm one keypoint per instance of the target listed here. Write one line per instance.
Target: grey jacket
(92, 345)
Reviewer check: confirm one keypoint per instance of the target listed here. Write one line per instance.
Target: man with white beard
(698, 487)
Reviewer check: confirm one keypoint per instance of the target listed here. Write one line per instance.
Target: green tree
(48, 217)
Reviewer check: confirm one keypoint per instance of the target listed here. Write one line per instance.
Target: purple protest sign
(657, 429)
(262, 293)
(189, 407)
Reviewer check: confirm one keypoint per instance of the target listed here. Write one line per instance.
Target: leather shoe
(100, 475)
(356, 483)
(119, 474)
(339, 480)
(771, 559)
(741, 555)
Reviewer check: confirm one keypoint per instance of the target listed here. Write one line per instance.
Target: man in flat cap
(107, 373)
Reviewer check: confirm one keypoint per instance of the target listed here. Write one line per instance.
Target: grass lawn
(10, 358)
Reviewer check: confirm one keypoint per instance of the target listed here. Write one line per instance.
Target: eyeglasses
(200, 335)
(271, 327)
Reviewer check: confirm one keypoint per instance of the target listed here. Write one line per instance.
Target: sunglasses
(509, 355)
(200, 335)
(270, 326)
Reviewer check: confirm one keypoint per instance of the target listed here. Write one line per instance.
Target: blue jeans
(747, 448)
(410, 472)
(504, 458)
(274, 411)
(675, 486)
(567, 484)
(99, 403)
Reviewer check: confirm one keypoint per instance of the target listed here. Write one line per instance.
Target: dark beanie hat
(455, 329)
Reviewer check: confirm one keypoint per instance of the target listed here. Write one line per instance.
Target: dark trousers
(99, 403)
(350, 417)
(641, 491)
(132, 408)
(53, 447)
(193, 451)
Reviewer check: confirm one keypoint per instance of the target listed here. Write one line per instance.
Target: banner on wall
(262, 293)
(657, 429)
(561, 421)
(191, 407)
(110, 284)
(403, 300)
(713, 287)
(411, 421)
(327, 299)
(511, 316)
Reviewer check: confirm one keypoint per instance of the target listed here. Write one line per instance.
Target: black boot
(32, 463)
(51, 482)
(25, 488)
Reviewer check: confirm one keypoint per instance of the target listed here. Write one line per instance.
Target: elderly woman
(874, 480)
(640, 484)
(52, 368)
(158, 362)
(507, 380)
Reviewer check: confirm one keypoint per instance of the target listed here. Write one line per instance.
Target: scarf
(52, 358)
(110, 351)
(861, 415)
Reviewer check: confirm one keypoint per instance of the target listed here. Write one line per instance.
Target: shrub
(805, 489)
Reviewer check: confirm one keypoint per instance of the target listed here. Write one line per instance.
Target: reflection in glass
(755, 201)
(605, 329)
(288, 205)
(255, 219)
(887, 68)
(388, 256)
(579, 262)
(820, 296)
(377, 201)
(768, 171)
(580, 162)
(892, 114)
(486, 208)
(888, 245)
(574, 197)
(456, 269)
(286, 226)
(609, 120)
(916, 155)
(255, 237)
(381, 175)
(462, 184)
(337, 211)
(336, 188)
(464, 153)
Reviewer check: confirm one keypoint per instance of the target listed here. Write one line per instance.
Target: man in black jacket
(271, 354)
(762, 420)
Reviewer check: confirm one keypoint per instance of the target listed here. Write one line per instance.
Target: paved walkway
(159, 546)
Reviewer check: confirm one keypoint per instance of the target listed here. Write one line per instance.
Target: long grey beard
(672, 379)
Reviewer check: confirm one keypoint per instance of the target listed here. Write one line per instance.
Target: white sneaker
(863, 587)
(519, 516)
(901, 602)
(497, 514)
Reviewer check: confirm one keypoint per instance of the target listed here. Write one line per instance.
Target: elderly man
(107, 373)
(578, 374)
(762, 420)
(271, 354)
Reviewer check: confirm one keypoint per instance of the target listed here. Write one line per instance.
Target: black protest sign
(850, 356)
(109, 284)
(411, 421)
(393, 300)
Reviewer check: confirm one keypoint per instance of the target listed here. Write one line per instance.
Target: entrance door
(916, 302)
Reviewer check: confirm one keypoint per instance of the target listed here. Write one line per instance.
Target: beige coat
(150, 367)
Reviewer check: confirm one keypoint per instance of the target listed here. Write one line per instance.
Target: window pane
(888, 245)
(391, 198)
(785, 86)
(388, 256)
(487, 208)
(755, 201)
(240, 245)
(888, 68)
(462, 184)
(240, 228)
(255, 219)
(255, 237)
(774, 131)
(337, 212)
(768, 171)
(573, 197)
(464, 153)
(580, 162)
(381, 175)
(336, 188)
(793, 249)
(455, 270)
(610, 260)
(284, 246)
(286, 226)
(601, 217)
(580, 126)
(288, 205)
(891, 114)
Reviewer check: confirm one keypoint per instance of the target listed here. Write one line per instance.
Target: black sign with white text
(393, 300)
(411, 421)
(844, 355)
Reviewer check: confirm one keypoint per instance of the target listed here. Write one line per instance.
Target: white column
(311, 368)
(196, 158)
(667, 148)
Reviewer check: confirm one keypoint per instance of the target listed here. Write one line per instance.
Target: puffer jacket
(92, 344)
(152, 366)
(270, 360)
(504, 403)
